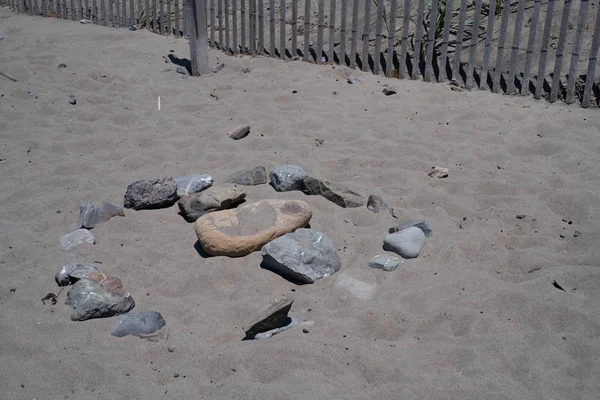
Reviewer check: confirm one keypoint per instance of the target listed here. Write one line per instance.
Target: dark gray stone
(212, 199)
(274, 317)
(385, 262)
(287, 177)
(192, 183)
(239, 132)
(146, 195)
(72, 272)
(407, 243)
(72, 100)
(338, 194)
(251, 177)
(70, 240)
(301, 256)
(422, 224)
(92, 213)
(137, 323)
(90, 300)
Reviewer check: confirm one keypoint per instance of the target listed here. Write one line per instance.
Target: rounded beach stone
(407, 243)
(287, 177)
(240, 231)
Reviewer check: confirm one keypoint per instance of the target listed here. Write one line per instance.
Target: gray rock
(70, 240)
(274, 317)
(212, 199)
(91, 300)
(137, 323)
(352, 80)
(287, 177)
(422, 224)
(192, 183)
(385, 262)
(376, 204)
(239, 132)
(407, 243)
(301, 256)
(72, 100)
(92, 213)
(72, 272)
(146, 195)
(333, 192)
(251, 177)
(358, 283)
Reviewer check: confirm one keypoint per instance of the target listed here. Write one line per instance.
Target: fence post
(196, 14)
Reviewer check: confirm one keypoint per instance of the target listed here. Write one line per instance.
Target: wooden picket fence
(471, 43)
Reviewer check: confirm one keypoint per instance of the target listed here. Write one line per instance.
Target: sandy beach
(476, 316)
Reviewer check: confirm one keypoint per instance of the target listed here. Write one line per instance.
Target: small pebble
(175, 375)
(562, 236)
(576, 234)
(62, 65)
(521, 216)
(305, 330)
(72, 100)
(171, 349)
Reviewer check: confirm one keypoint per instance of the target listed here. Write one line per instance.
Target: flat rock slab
(70, 240)
(239, 232)
(93, 213)
(422, 224)
(407, 243)
(385, 262)
(137, 323)
(286, 178)
(212, 199)
(239, 132)
(251, 177)
(338, 194)
(72, 272)
(301, 256)
(358, 283)
(148, 195)
(272, 318)
(192, 183)
(90, 300)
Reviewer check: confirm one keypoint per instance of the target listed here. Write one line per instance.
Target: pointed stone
(274, 317)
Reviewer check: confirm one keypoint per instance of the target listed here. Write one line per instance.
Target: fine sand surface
(476, 316)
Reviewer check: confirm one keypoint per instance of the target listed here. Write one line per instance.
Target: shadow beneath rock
(288, 277)
(287, 322)
(201, 251)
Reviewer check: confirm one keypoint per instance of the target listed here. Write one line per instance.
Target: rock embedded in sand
(72, 100)
(338, 194)
(359, 283)
(385, 262)
(439, 172)
(239, 232)
(250, 177)
(72, 272)
(301, 256)
(147, 195)
(376, 204)
(90, 300)
(137, 323)
(422, 224)
(239, 132)
(70, 240)
(192, 183)
(274, 317)
(286, 178)
(407, 243)
(212, 199)
(92, 213)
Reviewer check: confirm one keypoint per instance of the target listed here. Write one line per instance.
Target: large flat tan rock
(240, 231)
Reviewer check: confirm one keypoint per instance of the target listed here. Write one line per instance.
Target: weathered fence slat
(474, 41)
(535, 17)
(445, 39)
(418, 35)
(154, 16)
(124, 14)
(58, 8)
(282, 28)
(94, 12)
(146, 11)
(488, 46)
(261, 27)
(177, 19)
(44, 8)
(137, 16)
(378, 27)
(294, 28)
(234, 22)
(73, 11)
(243, 26)
(169, 23)
(354, 40)
(110, 21)
(65, 10)
(117, 20)
(226, 15)
(560, 49)
(389, 67)
(459, 39)
(220, 21)
(501, 41)
(510, 84)
(589, 80)
(330, 49)
(343, 27)
(252, 36)
(305, 51)
(431, 41)
(541, 76)
(132, 13)
(272, 28)
(320, 27)
(573, 76)
(212, 21)
(365, 36)
(404, 45)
